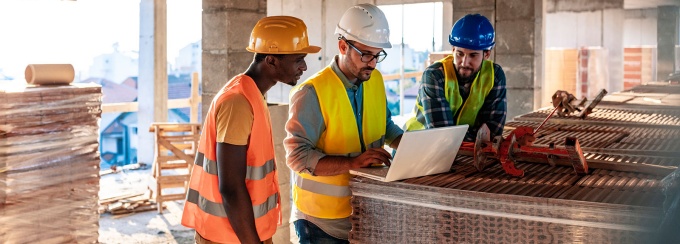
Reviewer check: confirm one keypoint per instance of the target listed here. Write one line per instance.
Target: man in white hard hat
(338, 120)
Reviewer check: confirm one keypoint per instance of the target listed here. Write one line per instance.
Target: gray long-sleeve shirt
(305, 126)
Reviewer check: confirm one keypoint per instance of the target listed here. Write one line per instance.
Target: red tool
(518, 146)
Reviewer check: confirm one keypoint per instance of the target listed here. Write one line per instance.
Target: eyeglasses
(367, 57)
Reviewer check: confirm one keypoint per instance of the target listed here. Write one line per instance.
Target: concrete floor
(145, 227)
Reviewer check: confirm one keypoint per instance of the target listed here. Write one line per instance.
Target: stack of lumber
(127, 204)
(49, 163)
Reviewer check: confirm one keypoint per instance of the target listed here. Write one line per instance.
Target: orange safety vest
(203, 209)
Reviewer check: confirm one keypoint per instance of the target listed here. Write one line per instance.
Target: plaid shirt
(437, 112)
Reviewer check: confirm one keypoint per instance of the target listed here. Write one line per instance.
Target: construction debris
(49, 163)
(566, 104)
(127, 204)
(115, 169)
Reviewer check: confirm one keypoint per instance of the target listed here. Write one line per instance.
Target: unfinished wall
(668, 37)
(589, 24)
(639, 27)
(519, 49)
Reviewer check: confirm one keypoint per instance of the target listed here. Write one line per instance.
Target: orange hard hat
(280, 35)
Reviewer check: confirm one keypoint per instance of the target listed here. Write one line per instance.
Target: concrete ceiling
(640, 4)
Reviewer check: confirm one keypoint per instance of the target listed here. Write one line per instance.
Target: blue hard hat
(473, 31)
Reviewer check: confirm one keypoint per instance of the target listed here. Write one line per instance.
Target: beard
(471, 73)
(362, 76)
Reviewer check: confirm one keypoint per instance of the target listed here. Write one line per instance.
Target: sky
(58, 31)
(53, 31)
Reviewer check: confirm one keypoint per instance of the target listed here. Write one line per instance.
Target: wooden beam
(160, 66)
(120, 107)
(134, 106)
(195, 98)
(191, 102)
(417, 75)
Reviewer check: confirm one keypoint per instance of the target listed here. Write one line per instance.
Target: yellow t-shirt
(234, 120)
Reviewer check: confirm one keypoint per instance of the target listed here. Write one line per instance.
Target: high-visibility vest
(203, 209)
(481, 87)
(328, 197)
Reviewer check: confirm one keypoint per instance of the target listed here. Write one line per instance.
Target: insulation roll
(49, 74)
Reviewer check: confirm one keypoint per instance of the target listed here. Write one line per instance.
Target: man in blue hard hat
(465, 87)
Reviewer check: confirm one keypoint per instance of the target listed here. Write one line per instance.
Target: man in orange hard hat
(233, 194)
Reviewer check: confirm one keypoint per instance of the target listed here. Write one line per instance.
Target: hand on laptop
(372, 156)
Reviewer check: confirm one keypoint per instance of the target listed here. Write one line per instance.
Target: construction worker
(465, 87)
(338, 121)
(234, 193)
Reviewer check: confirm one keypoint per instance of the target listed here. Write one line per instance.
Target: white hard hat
(365, 23)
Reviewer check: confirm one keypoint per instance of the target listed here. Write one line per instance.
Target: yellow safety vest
(328, 197)
(481, 87)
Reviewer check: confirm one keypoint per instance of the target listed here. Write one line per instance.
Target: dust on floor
(144, 227)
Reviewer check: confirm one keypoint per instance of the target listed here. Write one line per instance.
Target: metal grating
(540, 180)
(613, 139)
(611, 116)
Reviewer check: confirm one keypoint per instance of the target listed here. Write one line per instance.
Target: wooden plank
(174, 150)
(174, 197)
(174, 127)
(117, 198)
(179, 103)
(134, 106)
(181, 147)
(195, 98)
(182, 138)
(407, 75)
(174, 165)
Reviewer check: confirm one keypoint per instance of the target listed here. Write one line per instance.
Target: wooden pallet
(176, 146)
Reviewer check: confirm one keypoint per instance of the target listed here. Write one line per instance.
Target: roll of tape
(49, 74)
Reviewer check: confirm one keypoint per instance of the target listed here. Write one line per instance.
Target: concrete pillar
(153, 74)
(612, 39)
(279, 116)
(447, 24)
(667, 38)
(519, 50)
(226, 31)
(311, 12)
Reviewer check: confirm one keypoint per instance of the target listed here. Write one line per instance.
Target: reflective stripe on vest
(252, 172)
(204, 210)
(329, 196)
(481, 87)
(321, 188)
(217, 209)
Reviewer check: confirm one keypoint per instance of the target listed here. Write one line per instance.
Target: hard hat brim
(472, 47)
(309, 49)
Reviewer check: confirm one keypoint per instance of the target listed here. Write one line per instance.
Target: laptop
(420, 153)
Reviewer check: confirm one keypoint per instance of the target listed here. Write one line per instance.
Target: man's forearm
(239, 210)
(333, 165)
